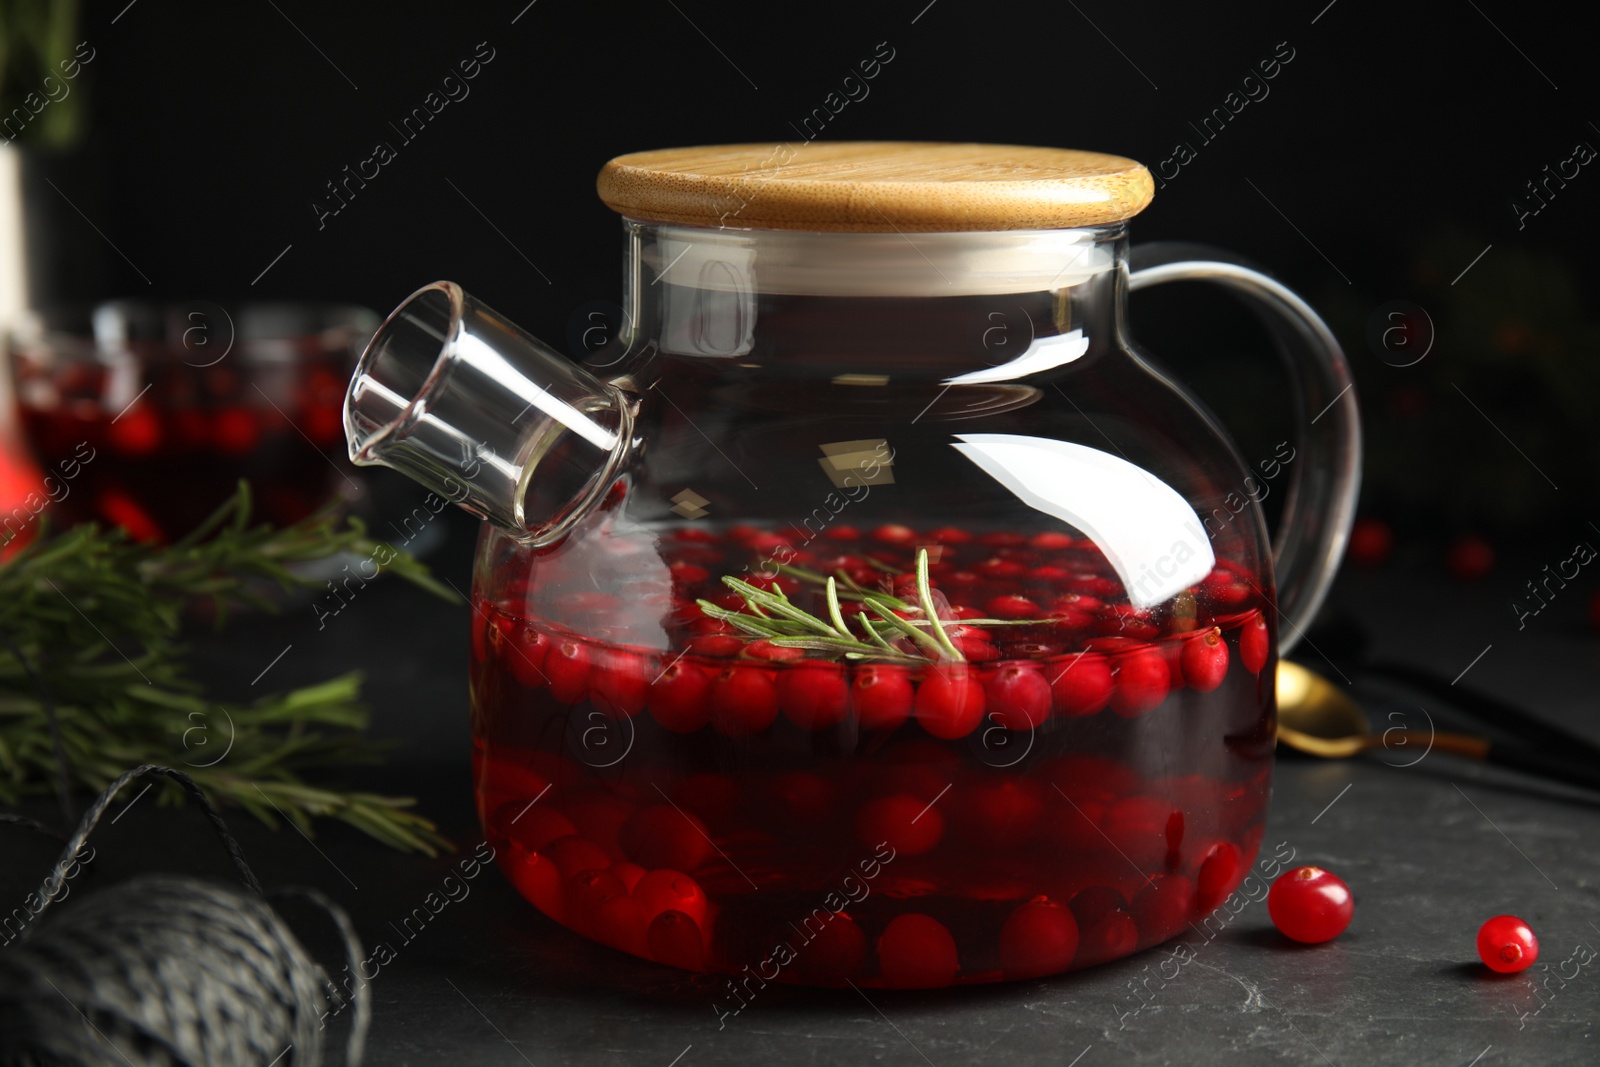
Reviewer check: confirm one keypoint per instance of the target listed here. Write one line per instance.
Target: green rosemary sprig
(771, 616)
(99, 616)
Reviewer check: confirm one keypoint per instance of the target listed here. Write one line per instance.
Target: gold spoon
(1316, 718)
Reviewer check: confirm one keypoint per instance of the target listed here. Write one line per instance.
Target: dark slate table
(1431, 850)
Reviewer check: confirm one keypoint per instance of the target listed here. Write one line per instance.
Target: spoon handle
(1491, 710)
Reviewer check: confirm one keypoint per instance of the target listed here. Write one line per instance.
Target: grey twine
(168, 970)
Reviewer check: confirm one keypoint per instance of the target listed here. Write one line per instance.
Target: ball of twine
(167, 970)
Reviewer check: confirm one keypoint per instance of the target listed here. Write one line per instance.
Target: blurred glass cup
(159, 409)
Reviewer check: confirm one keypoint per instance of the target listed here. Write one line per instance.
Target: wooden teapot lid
(876, 187)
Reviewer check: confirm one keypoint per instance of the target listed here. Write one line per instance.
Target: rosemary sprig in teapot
(769, 615)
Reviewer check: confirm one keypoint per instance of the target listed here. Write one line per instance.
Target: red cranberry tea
(169, 431)
(1083, 780)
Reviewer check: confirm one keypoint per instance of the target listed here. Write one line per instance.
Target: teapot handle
(1319, 507)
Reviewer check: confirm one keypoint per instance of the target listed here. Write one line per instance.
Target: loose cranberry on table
(1507, 945)
(1310, 905)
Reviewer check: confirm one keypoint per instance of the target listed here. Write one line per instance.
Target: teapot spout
(461, 400)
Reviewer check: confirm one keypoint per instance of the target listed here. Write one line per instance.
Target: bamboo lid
(876, 187)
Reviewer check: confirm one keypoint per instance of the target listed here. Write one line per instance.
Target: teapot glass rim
(871, 264)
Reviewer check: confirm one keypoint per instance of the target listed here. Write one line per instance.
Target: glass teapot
(870, 610)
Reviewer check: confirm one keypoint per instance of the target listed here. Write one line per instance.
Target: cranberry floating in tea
(868, 609)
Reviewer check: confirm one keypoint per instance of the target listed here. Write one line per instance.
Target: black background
(1386, 156)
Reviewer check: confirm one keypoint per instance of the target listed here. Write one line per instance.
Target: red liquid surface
(720, 811)
(163, 464)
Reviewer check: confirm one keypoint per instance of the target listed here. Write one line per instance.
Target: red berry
(1095, 585)
(574, 854)
(882, 696)
(949, 703)
(1470, 558)
(1106, 930)
(662, 835)
(1310, 905)
(694, 533)
(525, 650)
(975, 647)
(536, 877)
(1083, 685)
(1142, 682)
(620, 922)
(686, 574)
(1219, 874)
(916, 952)
(1001, 569)
(535, 827)
(1070, 618)
(1162, 907)
(123, 510)
(619, 683)
(1039, 938)
(1204, 660)
(769, 543)
(627, 873)
(814, 695)
(1052, 540)
(1012, 607)
(1255, 643)
(842, 533)
(235, 431)
(894, 534)
(1111, 644)
(673, 938)
(803, 798)
(909, 824)
(566, 666)
(136, 432)
(1507, 945)
(679, 698)
(744, 701)
(1018, 697)
(1077, 602)
(949, 535)
(764, 649)
(716, 645)
(1003, 539)
(999, 813)
(666, 890)
(585, 892)
(1371, 541)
